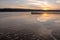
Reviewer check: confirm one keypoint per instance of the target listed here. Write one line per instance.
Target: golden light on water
(44, 17)
(45, 14)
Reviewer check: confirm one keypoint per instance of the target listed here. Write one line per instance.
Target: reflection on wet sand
(43, 17)
(36, 27)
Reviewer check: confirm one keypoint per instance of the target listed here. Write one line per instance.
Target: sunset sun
(45, 9)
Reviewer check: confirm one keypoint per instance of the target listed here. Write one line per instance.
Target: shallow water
(47, 23)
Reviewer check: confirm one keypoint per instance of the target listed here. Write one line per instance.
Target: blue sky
(31, 4)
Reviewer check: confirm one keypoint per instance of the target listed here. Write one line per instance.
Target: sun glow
(45, 9)
(46, 6)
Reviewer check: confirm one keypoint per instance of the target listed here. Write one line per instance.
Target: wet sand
(26, 26)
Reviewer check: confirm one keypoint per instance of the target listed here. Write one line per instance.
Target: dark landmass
(25, 10)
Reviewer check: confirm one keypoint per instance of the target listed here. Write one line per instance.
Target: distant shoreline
(25, 10)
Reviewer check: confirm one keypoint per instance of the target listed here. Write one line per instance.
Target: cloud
(30, 4)
(58, 1)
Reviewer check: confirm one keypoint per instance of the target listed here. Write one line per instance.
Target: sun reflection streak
(44, 17)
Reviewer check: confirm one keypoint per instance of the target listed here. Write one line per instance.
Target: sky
(31, 4)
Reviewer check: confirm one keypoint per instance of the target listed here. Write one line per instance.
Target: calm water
(45, 24)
